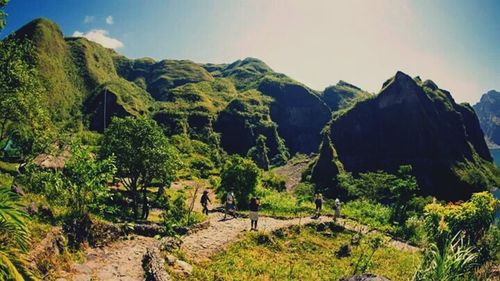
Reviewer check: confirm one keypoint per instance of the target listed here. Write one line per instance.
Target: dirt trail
(202, 245)
(122, 260)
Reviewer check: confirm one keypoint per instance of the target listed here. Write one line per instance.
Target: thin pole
(104, 119)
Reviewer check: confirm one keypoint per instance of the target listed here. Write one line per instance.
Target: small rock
(17, 190)
(171, 260)
(185, 267)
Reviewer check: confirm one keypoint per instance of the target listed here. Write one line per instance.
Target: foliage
(299, 255)
(364, 261)
(143, 154)
(24, 118)
(453, 262)
(489, 245)
(274, 181)
(14, 238)
(85, 180)
(305, 191)
(3, 15)
(176, 215)
(283, 204)
(199, 159)
(259, 153)
(241, 176)
(369, 213)
(472, 217)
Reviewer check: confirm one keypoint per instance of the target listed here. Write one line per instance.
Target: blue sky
(456, 43)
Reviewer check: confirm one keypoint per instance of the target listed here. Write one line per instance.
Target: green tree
(143, 154)
(85, 179)
(241, 176)
(259, 153)
(23, 112)
(14, 237)
(3, 15)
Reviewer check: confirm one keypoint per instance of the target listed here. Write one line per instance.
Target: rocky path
(122, 260)
(201, 245)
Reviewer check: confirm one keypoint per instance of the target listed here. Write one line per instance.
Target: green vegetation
(455, 261)
(14, 238)
(240, 176)
(259, 153)
(143, 154)
(24, 119)
(303, 254)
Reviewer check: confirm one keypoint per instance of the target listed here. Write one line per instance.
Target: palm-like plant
(13, 238)
(451, 263)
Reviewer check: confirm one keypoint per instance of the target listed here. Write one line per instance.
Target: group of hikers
(254, 206)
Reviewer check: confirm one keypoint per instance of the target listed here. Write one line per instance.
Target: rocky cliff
(416, 123)
(488, 111)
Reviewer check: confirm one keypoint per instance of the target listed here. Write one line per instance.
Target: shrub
(273, 181)
(453, 262)
(472, 217)
(372, 214)
(241, 176)
(305, 191)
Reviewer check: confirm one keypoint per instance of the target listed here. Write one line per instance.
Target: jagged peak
(342, 83)
(430, 84)
(400, 78)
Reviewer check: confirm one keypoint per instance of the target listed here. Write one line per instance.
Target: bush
(241, 176)
(176, 215)
(472, 217)
(305, 191)
(282, 204)
(452, 262)
(372, 214)
(274, 181)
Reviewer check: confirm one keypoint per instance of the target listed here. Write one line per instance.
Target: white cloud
(109, 20)
(100, 36)
(88, 19)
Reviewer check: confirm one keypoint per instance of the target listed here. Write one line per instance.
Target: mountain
(488, 111)
(87, 84)
(414, 122)
(342, 95)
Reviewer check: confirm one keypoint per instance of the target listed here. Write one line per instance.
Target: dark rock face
(299, 113)
(412, 123)
(488, 111)
(113, 108)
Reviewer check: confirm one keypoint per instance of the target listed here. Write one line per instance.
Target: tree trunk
(161, 188)
(145, 206)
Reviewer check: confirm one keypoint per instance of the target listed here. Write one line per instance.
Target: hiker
(254, 212)
(336, 208)
(230, 205)
(318, 201)
(204, 202)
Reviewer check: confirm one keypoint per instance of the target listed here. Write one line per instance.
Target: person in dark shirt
(254, 212)
(318, 201)
(204, 202)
